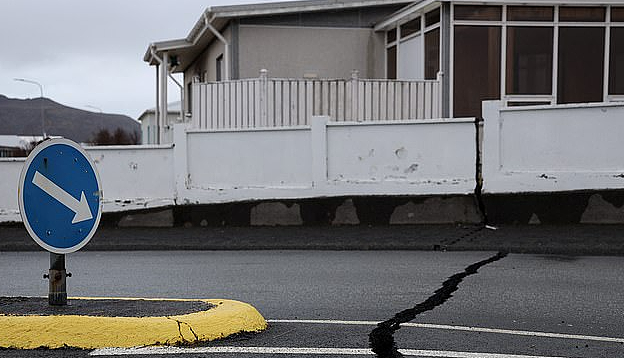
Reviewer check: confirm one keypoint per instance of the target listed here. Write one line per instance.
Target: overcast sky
(90, 52)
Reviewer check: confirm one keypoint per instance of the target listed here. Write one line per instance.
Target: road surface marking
(458, 328)
(297, 350)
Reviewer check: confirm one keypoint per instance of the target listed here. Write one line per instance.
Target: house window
(616, 62)
(219, 69)
(581, 64)
(581, 14)
(410, 27)
(476, 68)
(391, 54)
(478, 13)
(432, 17)
(432, 54)
(189, 97)
(530, 13)
(410, 54)
(529, 60)
(391, 36)
(553, 54)
(617, 14)
(432, 44)
(391, 62)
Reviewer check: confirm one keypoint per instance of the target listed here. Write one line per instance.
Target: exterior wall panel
(292, 52)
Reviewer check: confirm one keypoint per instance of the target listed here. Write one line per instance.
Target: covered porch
(523, 53)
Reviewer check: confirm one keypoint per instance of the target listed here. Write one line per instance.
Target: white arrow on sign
(81, 208)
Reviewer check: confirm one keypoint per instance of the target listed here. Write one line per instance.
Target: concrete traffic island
(29, 323)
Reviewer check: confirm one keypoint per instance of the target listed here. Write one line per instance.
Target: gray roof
(284, 7)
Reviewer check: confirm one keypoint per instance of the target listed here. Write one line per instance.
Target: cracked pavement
(381, 339)
(576, 295)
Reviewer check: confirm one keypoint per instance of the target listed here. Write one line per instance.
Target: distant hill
(23, 117)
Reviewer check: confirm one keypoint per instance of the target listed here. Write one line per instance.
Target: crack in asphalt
(471, 235)
(381, 339)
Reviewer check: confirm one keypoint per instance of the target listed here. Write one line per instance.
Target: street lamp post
(41, 102)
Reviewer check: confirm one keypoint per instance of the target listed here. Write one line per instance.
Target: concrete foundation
(587, 207)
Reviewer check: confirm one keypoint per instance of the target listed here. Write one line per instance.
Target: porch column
(445, 57)
(164, 70)
(153, 136)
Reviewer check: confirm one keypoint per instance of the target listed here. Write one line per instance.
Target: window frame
(520, 97)
(555, 24)
(399, 39)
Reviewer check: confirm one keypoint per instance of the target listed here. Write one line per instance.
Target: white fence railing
(271, 102)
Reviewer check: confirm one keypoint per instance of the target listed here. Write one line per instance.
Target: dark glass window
(529, 60)
(476, 68)
(530, 13)
(578, 13)
(616, 61)
(581, 64)
(524, 104)
(410, 27)
(391, 63)
(432, 54)
(617, 14)
(392, 35)
(476, 12)
(189, 97)
(219, 68)
(432, 17)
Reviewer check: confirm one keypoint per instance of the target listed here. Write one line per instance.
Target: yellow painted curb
(226, 318)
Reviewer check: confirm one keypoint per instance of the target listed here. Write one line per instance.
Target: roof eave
(402, 14)
(278, 8)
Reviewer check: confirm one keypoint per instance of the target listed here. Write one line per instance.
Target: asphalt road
(531, 239)
(565, 295)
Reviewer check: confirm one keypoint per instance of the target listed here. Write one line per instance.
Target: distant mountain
(23, 117)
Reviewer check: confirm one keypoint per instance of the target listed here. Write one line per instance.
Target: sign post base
(57, 294)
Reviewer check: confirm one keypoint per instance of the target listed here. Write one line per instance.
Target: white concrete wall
(10, 169)
(237, 165)
(416, 157)
(325, 159)
(132, 177)
(385, 158)
(553, 148)
(278, 158)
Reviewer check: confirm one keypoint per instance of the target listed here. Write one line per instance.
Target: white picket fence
(272, 102)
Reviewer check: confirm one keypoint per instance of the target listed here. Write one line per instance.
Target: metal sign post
(57, 280)
(60, 201)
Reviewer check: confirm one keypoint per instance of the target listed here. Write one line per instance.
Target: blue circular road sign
(60, 196)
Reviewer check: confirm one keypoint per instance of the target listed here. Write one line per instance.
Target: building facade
(523, 53)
